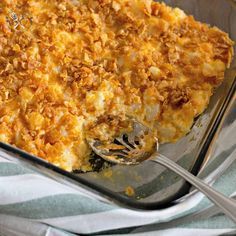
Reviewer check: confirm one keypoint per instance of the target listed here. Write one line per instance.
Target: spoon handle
(226, 204)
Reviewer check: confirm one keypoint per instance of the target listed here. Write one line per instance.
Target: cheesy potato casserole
(72, 68)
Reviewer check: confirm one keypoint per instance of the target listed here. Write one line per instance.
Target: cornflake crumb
(129, 191)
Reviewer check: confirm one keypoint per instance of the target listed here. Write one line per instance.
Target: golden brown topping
(177, 98)
(69, 69)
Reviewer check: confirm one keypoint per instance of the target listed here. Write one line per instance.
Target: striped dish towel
(33, 205)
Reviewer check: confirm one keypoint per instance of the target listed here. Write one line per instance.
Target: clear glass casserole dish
(154, 186)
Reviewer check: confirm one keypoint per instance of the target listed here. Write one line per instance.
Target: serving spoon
(129, 149)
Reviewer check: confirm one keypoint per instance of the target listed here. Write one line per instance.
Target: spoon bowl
(128, 148)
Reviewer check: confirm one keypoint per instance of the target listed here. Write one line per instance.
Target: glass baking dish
(154, 186)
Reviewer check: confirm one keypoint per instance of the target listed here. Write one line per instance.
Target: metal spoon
(129, 149)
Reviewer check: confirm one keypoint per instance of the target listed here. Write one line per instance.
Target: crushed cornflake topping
(77, 68)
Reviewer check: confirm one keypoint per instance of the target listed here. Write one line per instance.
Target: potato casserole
(69, 69)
